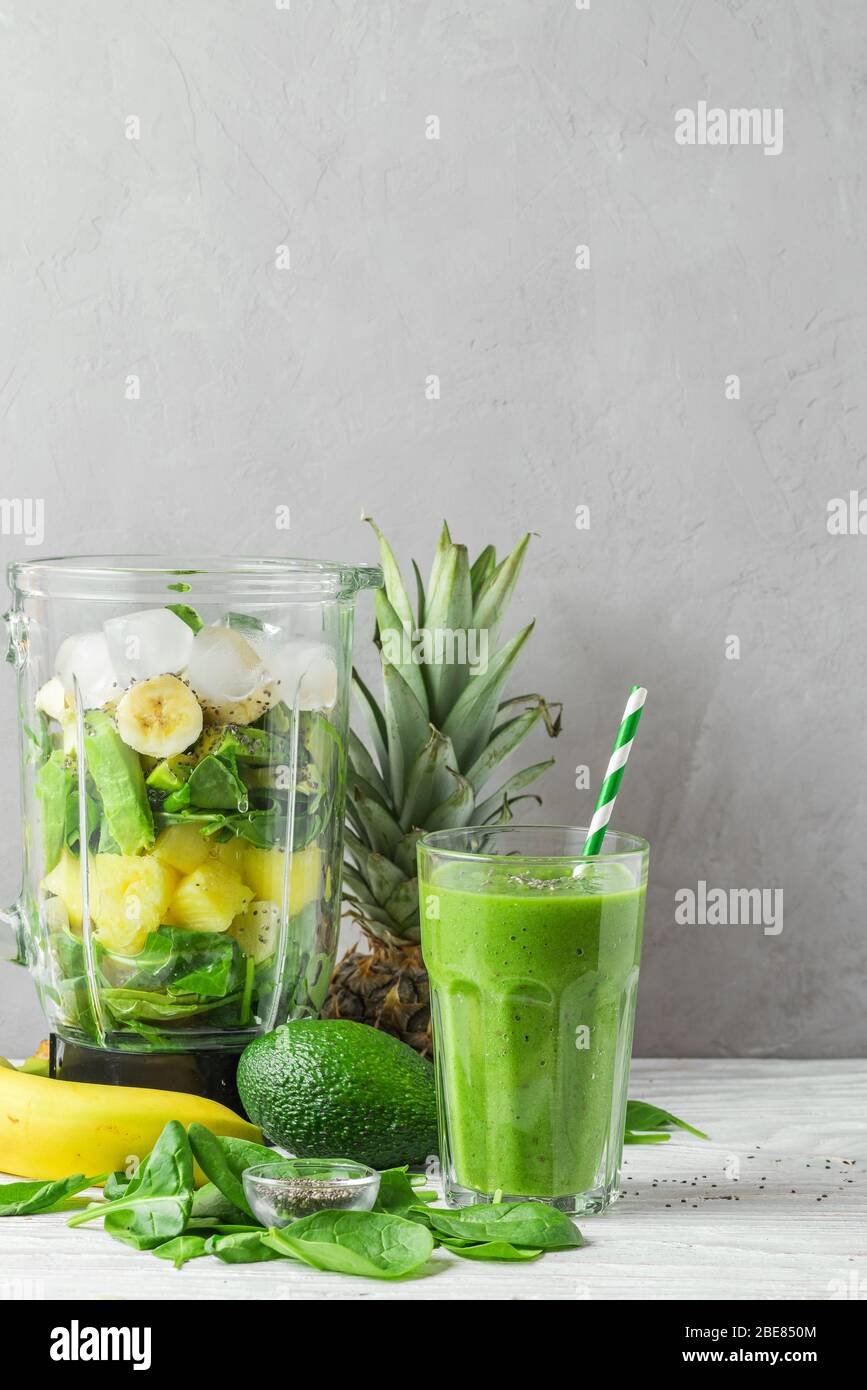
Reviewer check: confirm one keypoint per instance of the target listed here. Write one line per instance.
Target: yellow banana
(51, 1128)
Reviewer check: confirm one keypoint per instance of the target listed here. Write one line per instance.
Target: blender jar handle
(13, 917)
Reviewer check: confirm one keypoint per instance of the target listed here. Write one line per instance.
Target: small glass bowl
(289, 1188)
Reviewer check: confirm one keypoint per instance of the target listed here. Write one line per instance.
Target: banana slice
(51, 699)
(160, 717)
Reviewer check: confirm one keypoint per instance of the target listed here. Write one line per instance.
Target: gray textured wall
(306, 127)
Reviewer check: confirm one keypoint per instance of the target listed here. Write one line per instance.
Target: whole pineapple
(439, 735)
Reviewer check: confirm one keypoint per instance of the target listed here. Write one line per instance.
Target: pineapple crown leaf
(394, 586)
(393, 648)
(551, 711)
(515, 783)
(471, 718)
(442, 726)
(421, 601)
(482, 569)
(495, 594)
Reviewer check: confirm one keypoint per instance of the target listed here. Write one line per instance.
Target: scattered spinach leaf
(32, 1198)
(210, 1205)
(115, 1185)
(490, 1250)
(182, 1248)
(641, 1117)
(376, 1245)
(223, 1166)
(243, 1248)
(530, 1224)
(156, 1203)
(398, 1193)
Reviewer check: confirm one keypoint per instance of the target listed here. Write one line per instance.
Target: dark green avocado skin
(328, 1088)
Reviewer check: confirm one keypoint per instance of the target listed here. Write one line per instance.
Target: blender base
(199, 1073)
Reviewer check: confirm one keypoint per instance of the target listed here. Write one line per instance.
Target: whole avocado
(329, 1088)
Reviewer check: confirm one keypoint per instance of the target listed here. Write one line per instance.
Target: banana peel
(50, 1128)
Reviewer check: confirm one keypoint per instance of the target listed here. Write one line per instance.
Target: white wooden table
(775, 1206)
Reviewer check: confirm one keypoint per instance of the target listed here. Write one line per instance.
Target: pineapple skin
(443, 729)
(386, 987)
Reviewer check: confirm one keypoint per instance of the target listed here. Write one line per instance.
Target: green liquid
(533, 987)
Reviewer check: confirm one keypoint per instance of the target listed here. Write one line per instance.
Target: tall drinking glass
(533, 951)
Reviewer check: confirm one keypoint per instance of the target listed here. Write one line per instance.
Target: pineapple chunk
(183, 847)
(230, 853)
(208, 899)
(129, 895)
(264, 868)
(65, 882)
(257, 930)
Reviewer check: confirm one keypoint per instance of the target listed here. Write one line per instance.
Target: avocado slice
(54, 782)
(169, 775)
(117, 773)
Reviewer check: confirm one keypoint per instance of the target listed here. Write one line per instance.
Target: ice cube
(154, 642)
(223, 666)
(309, 669)
(86, 657)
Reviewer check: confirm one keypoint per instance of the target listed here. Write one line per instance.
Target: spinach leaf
(247, 744)
(224, 1159)
(40, 739)
(30, 1198)
(398, 1193)
(115, 1185)
(156, 1203)
(375, 1245)
(72, 823)
(181, 1249)
(530, 1224)
(490, 1250)
(183, 962)
(204, 1226)
(243, 1248)
(126, 1004)
(264, 829)
(213, 785)
(210, 1205)
(245, 622)
(187, 615)
(68, 953)
(642, 1118)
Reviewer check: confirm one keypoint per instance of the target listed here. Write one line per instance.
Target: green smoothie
(533, 977)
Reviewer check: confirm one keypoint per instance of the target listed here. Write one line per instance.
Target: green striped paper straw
(616, 763)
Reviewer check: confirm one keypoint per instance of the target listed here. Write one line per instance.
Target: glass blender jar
(183, 728)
